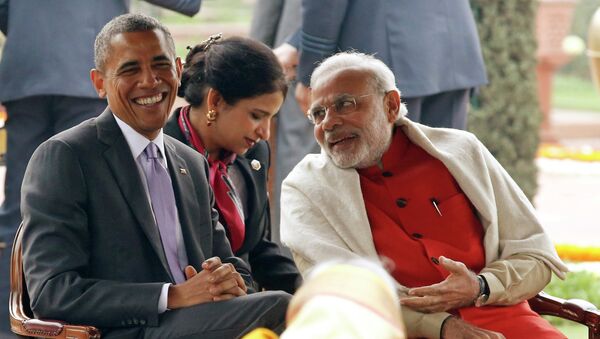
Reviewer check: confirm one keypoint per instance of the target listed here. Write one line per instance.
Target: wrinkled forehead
(140, 44)
(348, 81)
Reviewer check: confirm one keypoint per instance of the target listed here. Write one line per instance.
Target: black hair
(236, 67)
(124, 24)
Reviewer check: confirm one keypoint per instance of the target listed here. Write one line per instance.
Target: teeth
(149, 100)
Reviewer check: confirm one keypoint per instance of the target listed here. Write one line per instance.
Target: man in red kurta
(456, 231)
(417, 210)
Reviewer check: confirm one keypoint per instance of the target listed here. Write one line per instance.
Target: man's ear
(98, 82)
(179, 68)
(392, 105)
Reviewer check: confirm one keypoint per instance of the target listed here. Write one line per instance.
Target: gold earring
(211, 116)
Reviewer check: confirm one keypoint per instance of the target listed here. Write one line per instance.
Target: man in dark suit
(94, 250)
(45, 87)
(431, 46)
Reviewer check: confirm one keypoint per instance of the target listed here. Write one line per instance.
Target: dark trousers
(446, 109)
(30, 122)
(218, 320)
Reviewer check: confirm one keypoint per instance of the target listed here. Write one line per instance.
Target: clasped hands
(216, 281)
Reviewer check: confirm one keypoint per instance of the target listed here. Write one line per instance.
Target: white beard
(373, 141)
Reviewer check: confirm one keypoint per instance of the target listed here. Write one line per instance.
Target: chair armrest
(42, 328)
(21, 322)
(53, 329)
(577, 310)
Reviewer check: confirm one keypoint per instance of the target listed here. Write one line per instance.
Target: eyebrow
(264, 113)
(126, 65)
(334, 99)
(129, 64)
(161, 58)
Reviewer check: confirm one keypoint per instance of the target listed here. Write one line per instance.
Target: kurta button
(435, 260)
(417, 235)
(387, 174)
(401, 202)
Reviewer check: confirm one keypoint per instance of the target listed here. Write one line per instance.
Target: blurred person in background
(276, 22)
(432, 47)
(343, 299)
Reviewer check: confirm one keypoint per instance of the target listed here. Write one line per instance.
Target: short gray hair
(124, 24)
(383, 79)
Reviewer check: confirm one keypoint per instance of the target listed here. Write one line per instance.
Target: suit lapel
(253, 197)
(187, 205)
(125, 171)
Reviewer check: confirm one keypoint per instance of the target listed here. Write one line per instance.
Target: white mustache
(338, 136)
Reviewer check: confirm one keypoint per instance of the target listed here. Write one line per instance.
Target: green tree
(505, 115)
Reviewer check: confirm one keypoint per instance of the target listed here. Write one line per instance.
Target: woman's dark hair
(237, 67)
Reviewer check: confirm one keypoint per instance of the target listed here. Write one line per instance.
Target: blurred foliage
(584, 11)
(573, 330)
(507, 116)
(578, 285)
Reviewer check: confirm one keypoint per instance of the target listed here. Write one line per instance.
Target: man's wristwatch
(484, 291)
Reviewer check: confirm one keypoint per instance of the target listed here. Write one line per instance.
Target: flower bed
(584, 153)
(576, 253)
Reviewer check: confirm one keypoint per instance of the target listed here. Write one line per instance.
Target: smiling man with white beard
(460, 235)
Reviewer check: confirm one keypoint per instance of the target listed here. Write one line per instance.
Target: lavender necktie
(163, 205)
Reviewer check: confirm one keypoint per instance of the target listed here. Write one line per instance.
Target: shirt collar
(137, 142)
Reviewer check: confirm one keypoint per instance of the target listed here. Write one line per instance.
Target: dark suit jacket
(92, 253)
(274, 21)
(431, 45)
(271, 269)
(49, 47)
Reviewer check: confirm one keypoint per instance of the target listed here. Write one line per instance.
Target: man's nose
(330, 121)
(149, 79)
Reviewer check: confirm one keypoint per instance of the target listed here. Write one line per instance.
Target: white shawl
(323, 215)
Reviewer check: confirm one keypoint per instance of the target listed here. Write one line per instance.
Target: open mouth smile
(149, 101)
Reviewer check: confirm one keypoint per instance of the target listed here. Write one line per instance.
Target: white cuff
(162, 301)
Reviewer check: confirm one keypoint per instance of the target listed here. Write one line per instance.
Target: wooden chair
(577, 310)
(22, 322)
